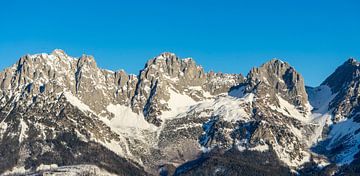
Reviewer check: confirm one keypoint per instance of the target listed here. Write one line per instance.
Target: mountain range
(64, 115)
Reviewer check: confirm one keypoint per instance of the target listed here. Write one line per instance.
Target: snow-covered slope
(336, 105)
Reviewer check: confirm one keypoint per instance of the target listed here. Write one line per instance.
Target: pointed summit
(87, 60)
(276, 71)
(171, 66)
(278, 78)
(59, 52)
(170, 59)
(166, 56)
(272, 67)
(344, 82)
(344, 74)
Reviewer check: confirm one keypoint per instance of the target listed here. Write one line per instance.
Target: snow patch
(15, 170)
(228, 108)
(76, 102)
(23, 130)
(320, 97)
(3, 127)
(239, 92)
(260, 148)
(345, 129)
(289, 110)
(124, 117)
(178, 103)
(46, 167)
(76, 170)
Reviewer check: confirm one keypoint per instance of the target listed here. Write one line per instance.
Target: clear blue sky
(314, 36)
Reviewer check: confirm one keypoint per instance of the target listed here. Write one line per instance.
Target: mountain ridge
(171, 113)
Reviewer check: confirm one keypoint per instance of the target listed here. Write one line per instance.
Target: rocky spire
(59, 53)
(345, 73)
(278, 78)
(161, 74)
(345, 83)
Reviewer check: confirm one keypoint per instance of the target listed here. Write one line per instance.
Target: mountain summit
(278, 78)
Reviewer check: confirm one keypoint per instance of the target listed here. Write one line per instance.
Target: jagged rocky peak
(278, 78)
(60, 53)
(54, 57)
(34, 71)
(168, 64)
(343, 75)
(87, 60)
(147, 93)
(185, 72)
(167, 75)
(58, 59)
(345, 85)
(162, 75)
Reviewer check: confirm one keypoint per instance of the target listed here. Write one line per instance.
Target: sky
(314, 36)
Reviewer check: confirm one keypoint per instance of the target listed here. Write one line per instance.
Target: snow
(241, 148)
(243, 145)
(23, 130)
(319, 120)
(346, 129)
(189, 59)
(113, 146)
(3, 127)
(204, 93)
(164, 56)
(53, 169)
(207, 127)
(125, 123)
(15, 170)
(206, 149)
(239, 92)
(260, 148)
(320, 97)
(178, 103)
(228, 108)
(124, 117)
(198, 88)
(297, 132)
(76, 102)
(173, 79)
(321, 162)
(46, 167)
(289, 110)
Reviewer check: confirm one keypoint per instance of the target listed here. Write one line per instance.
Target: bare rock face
(278, 78)
(345, 83)
(343, 75)
(167, 72)
(278, 106)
